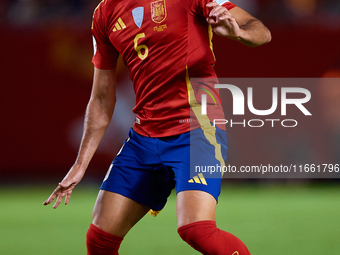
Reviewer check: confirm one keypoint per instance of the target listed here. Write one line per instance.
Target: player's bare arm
(97, 118)
(238, 25)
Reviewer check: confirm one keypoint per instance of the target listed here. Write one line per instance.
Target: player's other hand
(65, 187)
(222, 22)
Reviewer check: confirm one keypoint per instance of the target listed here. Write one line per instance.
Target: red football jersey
(163, 43)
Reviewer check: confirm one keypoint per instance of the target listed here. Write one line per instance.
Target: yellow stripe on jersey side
(98, 6)
(211, 35)
(209, 131)
(95, 12)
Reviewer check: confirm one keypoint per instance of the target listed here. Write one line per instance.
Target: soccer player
(163, 43)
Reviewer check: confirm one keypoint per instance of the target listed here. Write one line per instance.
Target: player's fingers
(216, 11)
(219, 8)
(50, 199)
(68, 196)
(227, 18)
(229, 21)
(222, 12)
(212, 4)
(220, 15)
(53, 196)
(212, 21)
(232, 23)
(60, 197)
(213, 16)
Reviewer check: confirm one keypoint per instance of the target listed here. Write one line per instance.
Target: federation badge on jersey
(137, 15)
(158, 11)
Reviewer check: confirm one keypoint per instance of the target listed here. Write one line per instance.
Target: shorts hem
(193, 188)
(131, 196)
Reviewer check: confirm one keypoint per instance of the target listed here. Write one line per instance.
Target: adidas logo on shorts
(198, 179)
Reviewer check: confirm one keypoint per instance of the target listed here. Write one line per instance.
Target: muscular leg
(116, 214)
(196, 222)
(113, 216)
(194, 205)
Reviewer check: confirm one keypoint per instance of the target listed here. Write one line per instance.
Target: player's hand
(222, 22)
(65, 187)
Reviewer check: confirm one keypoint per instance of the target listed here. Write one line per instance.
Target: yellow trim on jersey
(98, 6)
(95, 11)
(209, 131)
(211, 35)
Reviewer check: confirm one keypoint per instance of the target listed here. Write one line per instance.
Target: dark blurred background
(46, 76)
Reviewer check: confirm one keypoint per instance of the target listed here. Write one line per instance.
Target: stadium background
(46, 76)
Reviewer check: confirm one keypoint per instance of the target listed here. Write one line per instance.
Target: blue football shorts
(146, 169)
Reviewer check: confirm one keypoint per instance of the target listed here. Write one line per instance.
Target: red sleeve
(105, 55)
(199, 6)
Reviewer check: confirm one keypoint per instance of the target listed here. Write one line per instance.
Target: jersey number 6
(139, 48)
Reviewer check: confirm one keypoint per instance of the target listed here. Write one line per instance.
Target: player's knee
(197, 233)
(101, 242)
(188, 236)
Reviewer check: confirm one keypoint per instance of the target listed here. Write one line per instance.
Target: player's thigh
(194, 205)
(116, 214)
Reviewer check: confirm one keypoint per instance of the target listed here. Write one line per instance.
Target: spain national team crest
(158, 11)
